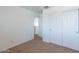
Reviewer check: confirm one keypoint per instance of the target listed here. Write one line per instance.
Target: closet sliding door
(56, 25)
(70, 29)
(61, 28)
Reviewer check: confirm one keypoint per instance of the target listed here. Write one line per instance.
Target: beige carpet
(38, 46)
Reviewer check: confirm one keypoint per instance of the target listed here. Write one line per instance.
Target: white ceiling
(37, 9)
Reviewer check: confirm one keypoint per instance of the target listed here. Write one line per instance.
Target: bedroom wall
(16, 26)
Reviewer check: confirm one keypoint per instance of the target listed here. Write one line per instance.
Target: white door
(56, 33)
(70, 29)
(62, 28)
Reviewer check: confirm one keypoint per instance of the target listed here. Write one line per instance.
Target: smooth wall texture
(61, 27)
(16, 26)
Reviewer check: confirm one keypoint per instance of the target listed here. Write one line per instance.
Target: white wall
(61, 27)
(16, 26)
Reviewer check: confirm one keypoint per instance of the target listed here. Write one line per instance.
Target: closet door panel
(70, 29)
(56, 34)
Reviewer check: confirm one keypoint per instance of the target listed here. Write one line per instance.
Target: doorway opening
(36, 27)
